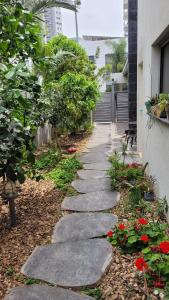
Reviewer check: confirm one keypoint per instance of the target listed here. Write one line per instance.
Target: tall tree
(118, 54)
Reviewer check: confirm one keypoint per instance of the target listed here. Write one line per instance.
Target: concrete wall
(153, 136)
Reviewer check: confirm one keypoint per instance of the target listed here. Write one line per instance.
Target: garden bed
(38, 210)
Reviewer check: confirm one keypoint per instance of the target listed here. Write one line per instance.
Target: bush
(121, 173)
(137, 235)
(64, 173)
(47, 160)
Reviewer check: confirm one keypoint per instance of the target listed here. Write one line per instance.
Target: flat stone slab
(81, 226)
(43, 292)
(93, 174)
(91, 185)
(70, 264)
(95, 201)
(102, 166)
(93, 157)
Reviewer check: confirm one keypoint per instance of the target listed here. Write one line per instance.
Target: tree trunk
(12, 212)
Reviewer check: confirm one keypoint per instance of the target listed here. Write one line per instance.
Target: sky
(95, 17)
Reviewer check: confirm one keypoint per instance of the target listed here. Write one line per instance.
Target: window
(91, 58)
(164, 84)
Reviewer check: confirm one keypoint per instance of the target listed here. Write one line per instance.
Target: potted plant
(164, 103)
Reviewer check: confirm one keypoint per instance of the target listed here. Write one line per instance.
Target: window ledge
(162, 120)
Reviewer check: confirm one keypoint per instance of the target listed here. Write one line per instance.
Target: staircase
(104, 109)
(122, 111)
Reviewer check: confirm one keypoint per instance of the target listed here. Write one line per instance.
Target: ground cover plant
(145, 233)
(64, 173)
(48, 159)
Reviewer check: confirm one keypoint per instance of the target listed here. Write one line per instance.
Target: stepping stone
(93, 157)
(70, 264)
(93, 174)
(43, 292)
(91, 185)
(81, 226)
(97, 166)
(96, 201)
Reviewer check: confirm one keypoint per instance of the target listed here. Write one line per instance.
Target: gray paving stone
(102, 166)
(91, 185)
(70, 264)
(43, 292)
(93, 157)
(93, 174)
(90, 202)
(81, 226)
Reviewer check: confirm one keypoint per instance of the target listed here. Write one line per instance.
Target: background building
(153, 78)
(91, 44)
(125, 17)
(53, 21)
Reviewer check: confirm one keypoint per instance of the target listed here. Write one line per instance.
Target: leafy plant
(47, 160)
(157, 258)
(121, 173)
(96, 293)
(30, 281)
(162, 208)
(64, 173)
(137, 235)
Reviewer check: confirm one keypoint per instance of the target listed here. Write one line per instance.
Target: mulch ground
(38, 210)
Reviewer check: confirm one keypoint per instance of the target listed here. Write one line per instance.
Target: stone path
(78, 226)
(78, 257)
(43, 292)
(95, 201)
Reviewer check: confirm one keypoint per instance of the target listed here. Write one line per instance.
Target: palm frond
(38, 5)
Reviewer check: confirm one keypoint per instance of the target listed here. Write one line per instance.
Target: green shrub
(137, 235)
(47, 160)
(64, 173)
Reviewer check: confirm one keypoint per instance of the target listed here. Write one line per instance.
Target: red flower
(122, 226)
(144, 238)
(159, 284)
(141, 264)
(110, 233)
(71, 150)
(143, 221)
(164, 247)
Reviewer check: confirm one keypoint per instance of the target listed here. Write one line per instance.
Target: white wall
(153, 137)
(91, 47)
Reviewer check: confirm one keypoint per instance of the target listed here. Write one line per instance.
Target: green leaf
(132, 239)
(10, 74)
(155, 257)
(146, 250)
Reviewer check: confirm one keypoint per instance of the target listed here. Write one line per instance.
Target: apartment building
(53, 21)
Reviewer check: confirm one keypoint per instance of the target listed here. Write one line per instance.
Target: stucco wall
(153, 137)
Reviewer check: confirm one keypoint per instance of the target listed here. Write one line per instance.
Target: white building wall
(153, 136)
(53, 21)
(91, 48)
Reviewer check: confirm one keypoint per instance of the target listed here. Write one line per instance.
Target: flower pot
(149, 196)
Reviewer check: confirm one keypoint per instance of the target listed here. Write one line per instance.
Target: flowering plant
(121, 173)
(137, 235)
(155, 264)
